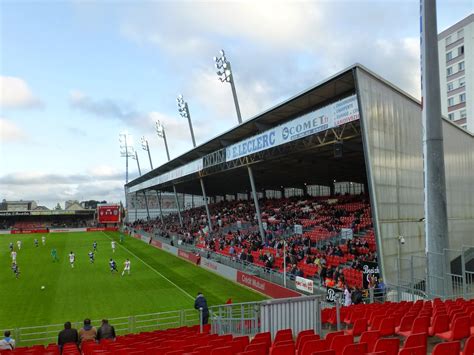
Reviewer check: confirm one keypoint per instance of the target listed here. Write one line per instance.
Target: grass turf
(90, 290)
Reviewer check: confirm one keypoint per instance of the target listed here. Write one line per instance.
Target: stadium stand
(318, 253)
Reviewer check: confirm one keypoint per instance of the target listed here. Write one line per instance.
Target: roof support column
(136, 206)
(255, 200)
(177, 206)
(209, 222)
(146, 205)
(158, 195)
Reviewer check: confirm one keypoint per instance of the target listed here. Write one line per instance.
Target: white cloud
(10, 132)
(15, 93)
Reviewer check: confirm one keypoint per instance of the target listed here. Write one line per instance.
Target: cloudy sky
(74, 74)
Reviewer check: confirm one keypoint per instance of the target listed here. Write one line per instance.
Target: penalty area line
(152, 268)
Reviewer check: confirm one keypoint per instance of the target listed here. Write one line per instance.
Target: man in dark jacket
(106, 331)
(201, 304)
(67, 335)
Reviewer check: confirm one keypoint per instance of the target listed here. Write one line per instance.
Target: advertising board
(108, 214)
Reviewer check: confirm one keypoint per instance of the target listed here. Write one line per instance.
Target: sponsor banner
(156, 243)
(188, 256)
(108, 214)
(220, 269)
(102, 229)
(28, 231)
(169, 249)
(332, 294)
(15, 213)
(177, 173)
(369, 269)
(298, 229)
(137, 236)
(265, 287)
(66, 230)
(145, 239)
(336, 114)
(4, 231)
(347, 233)
(305, 285)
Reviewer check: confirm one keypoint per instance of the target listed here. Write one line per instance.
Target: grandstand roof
(271, 174)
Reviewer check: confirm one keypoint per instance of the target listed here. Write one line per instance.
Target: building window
(449, 71)
(461, 50)
(450, 101)
(450, 86)
(460, 33)
(451, 116)
(460, 66)
(464, 126)
(449, 56)
(463, 114)
(448, 40)
(462, 82)
(462, 98)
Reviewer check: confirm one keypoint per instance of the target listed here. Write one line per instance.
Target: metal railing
(297, 313)
(45, 334)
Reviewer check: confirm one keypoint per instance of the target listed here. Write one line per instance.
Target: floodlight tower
(135, 156)
(146, 147)
(160, 131)
(125, 151)
(225, 74)
(183, 110)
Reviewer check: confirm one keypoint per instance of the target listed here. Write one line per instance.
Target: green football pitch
(158, 282)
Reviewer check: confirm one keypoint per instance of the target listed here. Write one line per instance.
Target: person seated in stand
(7, 343)
(87, 332)
(67, 335)
(105, 331)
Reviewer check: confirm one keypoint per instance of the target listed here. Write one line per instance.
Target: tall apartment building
(456, 65)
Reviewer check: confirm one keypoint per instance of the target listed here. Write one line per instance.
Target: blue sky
(74, 74)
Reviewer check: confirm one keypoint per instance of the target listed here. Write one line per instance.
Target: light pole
(183, 110)
(125, 152)
(146, 147)
(436, 222)
(225, 74)
(160, 131)
(144, 191)
(224, 71)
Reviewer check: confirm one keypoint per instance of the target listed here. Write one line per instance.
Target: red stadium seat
(440, 324)
(286, 349)
(360, 326)
(389, 345)
(283, 334)
(468, 346)
(370, 337)
(225, 350)
(339, 342)
(449, 348)
(460, 329)
(416, 350)
(330, 336)
(324, 352)
(314, 345)
(355, 349)
(302, 334)
(260, 348)
(420, 325)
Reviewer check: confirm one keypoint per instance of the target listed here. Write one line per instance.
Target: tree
(58, 207)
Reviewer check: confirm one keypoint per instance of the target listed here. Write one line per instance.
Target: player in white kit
(72, 258)
(13, 254)
(126, 267)
(113, 245)
(19, 244)
(43, 240)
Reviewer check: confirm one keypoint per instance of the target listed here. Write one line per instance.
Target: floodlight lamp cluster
(182, 107)
(224, 71)
(144, 143)
(125, 148)
(160, 129)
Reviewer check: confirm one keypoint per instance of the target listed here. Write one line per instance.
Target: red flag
(229, 301)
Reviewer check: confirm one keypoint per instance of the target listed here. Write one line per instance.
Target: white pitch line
(153, 269)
